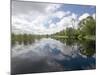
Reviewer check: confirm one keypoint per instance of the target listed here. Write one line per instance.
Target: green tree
(88, 26)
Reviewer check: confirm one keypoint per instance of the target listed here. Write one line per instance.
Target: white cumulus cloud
(84, 16)
(52, 8)
(94, 16)
(41, 21)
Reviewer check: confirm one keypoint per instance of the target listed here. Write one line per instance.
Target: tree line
(86, 30)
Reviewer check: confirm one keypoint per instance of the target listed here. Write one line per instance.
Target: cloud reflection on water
(48, 55)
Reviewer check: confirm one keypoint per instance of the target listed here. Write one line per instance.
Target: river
(52, 55)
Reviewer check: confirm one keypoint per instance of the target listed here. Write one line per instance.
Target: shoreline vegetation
(85, 31)
(85, 34)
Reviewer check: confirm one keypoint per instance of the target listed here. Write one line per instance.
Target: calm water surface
(50, 55)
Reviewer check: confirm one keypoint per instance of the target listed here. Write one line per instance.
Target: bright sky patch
(47, 18)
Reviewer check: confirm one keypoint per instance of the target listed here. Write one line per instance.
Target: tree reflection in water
(50, 55)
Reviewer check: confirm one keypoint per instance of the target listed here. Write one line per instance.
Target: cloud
(94, 16)
(61, 14)
(37, 18)
(52, 8)
(42, 18)
(24, 7)
(52, 25)
(67, 21)
(83, 16)
(37, 26)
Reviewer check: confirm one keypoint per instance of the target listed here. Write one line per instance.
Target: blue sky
(47, 18)
(79, 9)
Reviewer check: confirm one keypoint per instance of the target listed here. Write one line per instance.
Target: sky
(47, 18)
